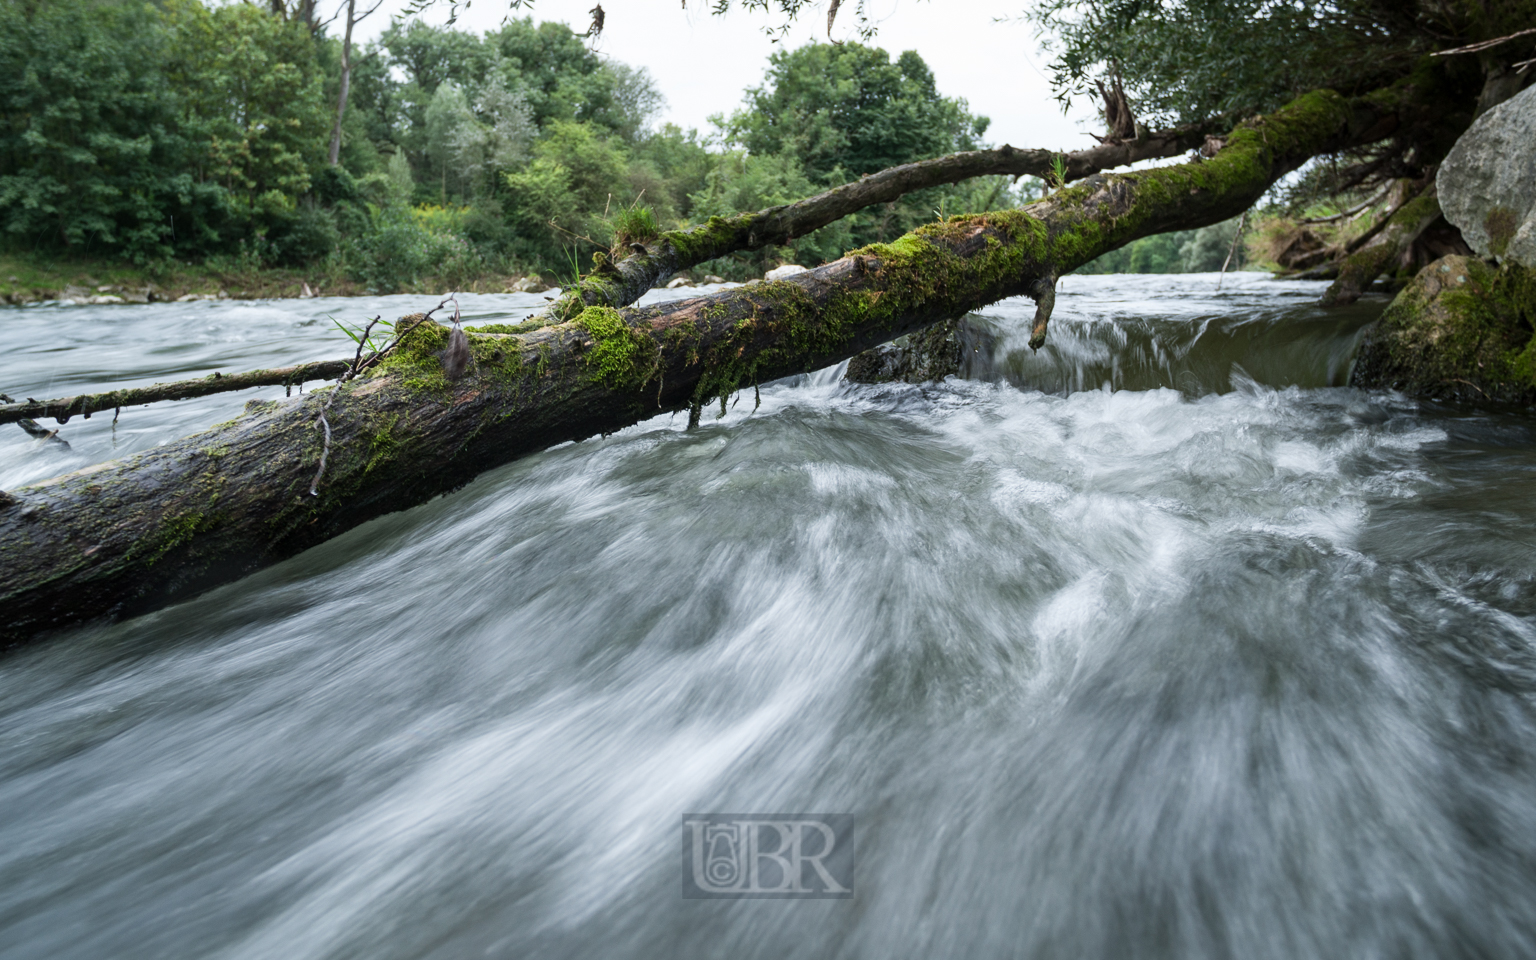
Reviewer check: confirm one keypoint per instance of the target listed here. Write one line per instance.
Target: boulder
(533, 283)
(1487, 183)
(679, 282)
(784, 273)
(711, 278)
(1460, 330)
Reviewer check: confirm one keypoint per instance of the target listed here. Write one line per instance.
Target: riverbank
(25, 279)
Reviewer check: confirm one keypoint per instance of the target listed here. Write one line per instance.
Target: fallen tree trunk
(623, 283)
(131, 535)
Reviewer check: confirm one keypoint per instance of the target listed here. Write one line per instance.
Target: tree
(846, 110)
(252, 88)
(1186, 61)
(351, 20)
(88, 127)
(154, 130)
(842, 111)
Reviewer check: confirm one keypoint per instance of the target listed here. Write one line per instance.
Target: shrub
(395, 252)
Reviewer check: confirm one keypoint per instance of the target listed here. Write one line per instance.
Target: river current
(1161, 642)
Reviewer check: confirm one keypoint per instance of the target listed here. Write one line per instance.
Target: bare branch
(1484, 45)
(62, 408)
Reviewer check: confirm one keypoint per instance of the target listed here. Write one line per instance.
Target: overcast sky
(703, 63)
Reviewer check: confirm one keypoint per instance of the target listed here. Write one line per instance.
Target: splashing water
(1220, 659)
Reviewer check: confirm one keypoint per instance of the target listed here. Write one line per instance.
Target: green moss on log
(620, 357)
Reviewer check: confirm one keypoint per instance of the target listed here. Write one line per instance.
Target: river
(1159, 643)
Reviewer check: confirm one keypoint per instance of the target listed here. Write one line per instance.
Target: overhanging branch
(622, 283)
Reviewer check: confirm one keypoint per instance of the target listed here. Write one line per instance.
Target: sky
(703, 63)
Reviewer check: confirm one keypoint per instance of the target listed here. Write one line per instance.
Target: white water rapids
(1158, 643)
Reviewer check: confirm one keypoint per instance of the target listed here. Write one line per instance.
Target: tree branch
(1485, 45)
(622, 283)
(1361, 268)
(63, 408)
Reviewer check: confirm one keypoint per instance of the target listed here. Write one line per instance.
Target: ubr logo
(788, 856)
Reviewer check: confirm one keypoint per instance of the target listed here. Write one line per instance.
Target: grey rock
(785, 272)
(533, 283)
(679, 282)
(1487, 183)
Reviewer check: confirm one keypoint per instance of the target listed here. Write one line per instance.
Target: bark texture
(131, 535)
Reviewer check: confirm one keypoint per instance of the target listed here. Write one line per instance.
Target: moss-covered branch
(145, 531)
(624, 282)
(62, 408)
(1382, 252)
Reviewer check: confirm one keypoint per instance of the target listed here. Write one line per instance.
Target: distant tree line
(178, 130)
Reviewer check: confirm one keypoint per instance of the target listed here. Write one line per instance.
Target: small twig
(359, 364)
(1357, 208)
(35, 429)
(1232, 249)
(1484, 45)
(325, 451)
(1044, 294)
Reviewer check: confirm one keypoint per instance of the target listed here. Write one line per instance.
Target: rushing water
(1160, 642)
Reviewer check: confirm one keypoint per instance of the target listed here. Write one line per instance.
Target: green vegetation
(1183, 251)
(182, 146)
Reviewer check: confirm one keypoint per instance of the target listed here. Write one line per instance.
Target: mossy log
(651, 260)
(134, 534)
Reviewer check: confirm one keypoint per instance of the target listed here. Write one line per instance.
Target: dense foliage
(175, 130)
(156, 131)
(1183, 61)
